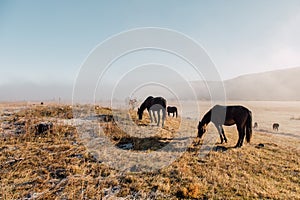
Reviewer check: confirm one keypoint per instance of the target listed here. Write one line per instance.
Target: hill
(279, 85)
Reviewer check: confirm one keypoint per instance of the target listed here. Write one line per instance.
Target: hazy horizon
(44, 44)
(281, 84)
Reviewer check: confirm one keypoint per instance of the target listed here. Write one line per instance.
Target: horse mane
(150, 97)
(206, 118)
(143, 105)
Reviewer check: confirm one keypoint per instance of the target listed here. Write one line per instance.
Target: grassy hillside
(58, 166)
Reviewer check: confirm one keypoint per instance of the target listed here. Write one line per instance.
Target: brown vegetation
(58, 166)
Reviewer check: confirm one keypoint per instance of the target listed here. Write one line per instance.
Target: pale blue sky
(46, 41)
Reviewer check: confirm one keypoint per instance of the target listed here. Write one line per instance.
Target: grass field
(58, 165)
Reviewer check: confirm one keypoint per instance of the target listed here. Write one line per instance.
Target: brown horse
(228, 115)
(172, 109)
(152, 104)
(255, 125)
(275, 126)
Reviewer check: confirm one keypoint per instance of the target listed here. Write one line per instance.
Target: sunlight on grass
(57, 164)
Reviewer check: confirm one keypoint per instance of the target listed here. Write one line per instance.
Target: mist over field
(279, 85)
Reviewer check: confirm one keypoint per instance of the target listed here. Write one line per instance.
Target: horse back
(237, 113)
(171, 109)
(229, 115)
(159, 100)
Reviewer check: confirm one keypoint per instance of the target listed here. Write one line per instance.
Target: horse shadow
(196, 146)
(149, 143)
(155, 143)
(219, 148)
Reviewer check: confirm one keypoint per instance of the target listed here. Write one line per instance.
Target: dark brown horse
(255, 125)
(153, 105)
(228, 115)
(172, 109)
(275, 126)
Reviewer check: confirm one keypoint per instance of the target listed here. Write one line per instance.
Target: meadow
(60, 165)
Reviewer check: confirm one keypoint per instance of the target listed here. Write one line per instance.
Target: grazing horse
(255, 125)
(153, 104)
(275, 126)
(228, 115)
(172, 109)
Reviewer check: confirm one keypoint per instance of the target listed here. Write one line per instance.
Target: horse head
(201, 129)
(140, 113)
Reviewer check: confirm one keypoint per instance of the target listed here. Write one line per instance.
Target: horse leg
(220, 132)
(158, 116)
(241, 136)
(149, 111)
(173, 114)
(154, 116)
(223, 133)
(163, 116)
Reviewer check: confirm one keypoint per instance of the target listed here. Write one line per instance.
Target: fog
(27, 91)
(280, 85)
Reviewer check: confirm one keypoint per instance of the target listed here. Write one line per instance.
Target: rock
(59, 174)
(260, 145)
(43, 127)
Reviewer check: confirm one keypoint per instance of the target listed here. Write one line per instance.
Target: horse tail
(249, 127)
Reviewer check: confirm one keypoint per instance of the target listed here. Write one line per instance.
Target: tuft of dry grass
(58, 166)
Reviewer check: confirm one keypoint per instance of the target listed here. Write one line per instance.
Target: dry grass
(58, 166)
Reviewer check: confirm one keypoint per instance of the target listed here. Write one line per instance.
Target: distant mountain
(279, 85)
(275, 85)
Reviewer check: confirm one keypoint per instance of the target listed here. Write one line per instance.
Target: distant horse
(172, 109)
(152, 104)
(228, 115)
(255, 125)
(275, 126)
